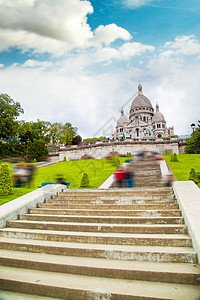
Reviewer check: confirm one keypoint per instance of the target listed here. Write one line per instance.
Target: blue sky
(80, 61)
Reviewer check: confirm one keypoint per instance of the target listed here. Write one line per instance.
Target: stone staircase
(94, 244)
(147, 173)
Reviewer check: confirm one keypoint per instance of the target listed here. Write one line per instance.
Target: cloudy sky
(81, 61)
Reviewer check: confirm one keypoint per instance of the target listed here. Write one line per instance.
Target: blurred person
(120, 176)
(20, 176)
(130, 181)
(168, 179)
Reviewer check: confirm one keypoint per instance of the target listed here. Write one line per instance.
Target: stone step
(70, 286)
(118, 252)
(122, 192)
(103, 219)
(93, 227)
(116, 200)
(160, 206)
(95, 212)
(99, 267)
(163, 240)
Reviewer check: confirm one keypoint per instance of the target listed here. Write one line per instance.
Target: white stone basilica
(143, 123)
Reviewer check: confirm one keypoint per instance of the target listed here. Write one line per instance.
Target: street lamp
(195, 148)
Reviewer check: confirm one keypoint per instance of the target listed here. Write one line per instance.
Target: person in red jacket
(120, 176)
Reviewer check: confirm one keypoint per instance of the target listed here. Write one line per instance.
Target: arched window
(144, 119)
(137, 131)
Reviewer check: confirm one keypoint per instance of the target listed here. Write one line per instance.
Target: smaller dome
(122, 120)
(158, 117)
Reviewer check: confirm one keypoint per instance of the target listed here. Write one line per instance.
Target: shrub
(174, 158)
(64, 159)
(193, 176)
(116, 161)
(128, 155)
(84, 180)
(6, 185)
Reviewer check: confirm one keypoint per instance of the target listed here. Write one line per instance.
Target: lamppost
(195, 148)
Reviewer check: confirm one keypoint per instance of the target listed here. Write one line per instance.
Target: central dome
(141, 105)
(140, 100)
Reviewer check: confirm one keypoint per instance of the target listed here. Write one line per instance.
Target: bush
(84, 180)
(64, 159)
(116, 161)
(6, 185)
(193, 176)
(128, 155)
(174, 158)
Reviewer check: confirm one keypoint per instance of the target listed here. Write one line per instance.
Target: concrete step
(70, 286)
(9, 295)
(110, 239)
(118, 252)
(137, 239)
(101, 200)
(99, 227)
(118, 206)
(103, 219)
(122, 192)
(95, 212)
(99, 267)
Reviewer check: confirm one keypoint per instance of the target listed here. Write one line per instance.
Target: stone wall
(102, 150)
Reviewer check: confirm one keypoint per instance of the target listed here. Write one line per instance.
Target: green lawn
(182, 168)
(98, 171)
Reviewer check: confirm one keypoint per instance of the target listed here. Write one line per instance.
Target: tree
(55, 133)
(9, 111)
(174, 158)
(6, 184)
(190, 148)
(76, 140)
(193, 176)
(84, 180)
(69, 133)
(37, 150)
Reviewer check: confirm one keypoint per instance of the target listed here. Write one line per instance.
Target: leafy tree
(190, 148)
(9, 111)
(84, 180)
(6, 184)
(69, 133)
(34, 130)
(55, 133)
(37, 150)
(193, 176)
(76, 140)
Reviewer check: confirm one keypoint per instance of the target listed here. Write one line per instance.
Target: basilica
(143, 122)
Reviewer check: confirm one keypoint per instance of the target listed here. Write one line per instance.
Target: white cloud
(45, 25)
(186, 45)
(125, 52)
(52, 26)
(59, 19)
(136, 3)
(30, 63)
(109, 33)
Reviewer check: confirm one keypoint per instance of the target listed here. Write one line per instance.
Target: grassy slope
(182, 168)
(97, 170)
